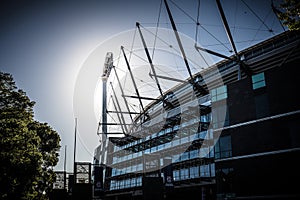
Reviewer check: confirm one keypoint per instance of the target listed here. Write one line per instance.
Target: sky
(45, 45)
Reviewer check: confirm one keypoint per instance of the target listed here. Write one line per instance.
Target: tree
(289, 14)
(28, 148)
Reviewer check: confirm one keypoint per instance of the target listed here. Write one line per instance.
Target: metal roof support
(145, 98)
(178, 39)
(227, 29)
(213, 53)
(132, 78)
(131, 113)
(225, 23)
(118, 114)
(196, 86)
(168, 78)
(119, 107)
(113, 124)
(122, 91)
(149, 59)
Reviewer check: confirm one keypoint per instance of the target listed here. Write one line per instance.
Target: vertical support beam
(90, 173)
(74, 164)
(108, 64)
(227, 29)
(149, 59)
(106, 72)
(104, 105)
(239, 72)
(241, 65)
(178, 39)
(65, 168)
(119, 108)
(228, 32)
(132, 78)
(196, 86)
(75, 174)
(119, 118)
(123, 95)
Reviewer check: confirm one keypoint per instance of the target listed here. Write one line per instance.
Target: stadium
(229, 130)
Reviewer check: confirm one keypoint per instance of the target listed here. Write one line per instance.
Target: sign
(98, 180)
(168, 174)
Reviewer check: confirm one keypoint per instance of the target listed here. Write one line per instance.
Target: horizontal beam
(123, 112)
(139, 97)
(168, 78)
(214, 53)
(113, 124)
(114, 133)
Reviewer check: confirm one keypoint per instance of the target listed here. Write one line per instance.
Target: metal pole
(178, 39)
(149, 59)
(75, 133)
(122, 91)
(118, 104)
(118, 115)
(132, 78)
(196, 86)
(108, 64)
(227, 29)
(65, 168)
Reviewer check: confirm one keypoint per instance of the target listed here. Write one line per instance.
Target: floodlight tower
(108, 65)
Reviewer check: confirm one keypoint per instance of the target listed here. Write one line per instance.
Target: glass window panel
(259, 85)
(221, 89)
(213, 98)
(258, 77)
(133, 182)
(213, 92)
(221, 96)
(212, 170)
(225, 143)
(258, 81)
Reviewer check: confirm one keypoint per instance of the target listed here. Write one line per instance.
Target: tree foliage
(290, 14)
(28, 148)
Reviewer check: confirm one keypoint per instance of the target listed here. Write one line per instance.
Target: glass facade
(223, 147)
(258, 81)
(181, 142)
(219, 93)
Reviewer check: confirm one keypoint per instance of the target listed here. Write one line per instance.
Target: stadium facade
(238, 140)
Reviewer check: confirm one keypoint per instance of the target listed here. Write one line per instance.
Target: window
(139, 181)
(184, 140)
(220, 116)
(122, 183)
(133, 182)
(219, 93)
(204, 171)
(176, 158)
(112, 185)
(176, 175)
(258, 81)
(113, 172)
(212, 153)
(223, 147)
(205, 118)
(194, 172)
(127, 183)
(185, 156)
(184, 173)
(194, 154)
(212, 170)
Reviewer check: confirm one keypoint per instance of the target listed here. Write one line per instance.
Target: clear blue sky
(43, 44)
